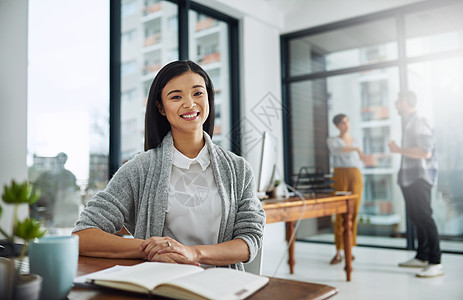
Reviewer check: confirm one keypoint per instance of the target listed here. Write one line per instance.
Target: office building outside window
(149, 40)
(208, 45)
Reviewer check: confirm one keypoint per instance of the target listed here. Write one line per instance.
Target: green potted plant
(22, 285)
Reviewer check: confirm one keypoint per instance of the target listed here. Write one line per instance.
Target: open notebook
(178, 281)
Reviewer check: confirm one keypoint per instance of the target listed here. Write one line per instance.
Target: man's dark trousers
(418, 205)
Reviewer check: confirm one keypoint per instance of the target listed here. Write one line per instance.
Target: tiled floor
(375, 276)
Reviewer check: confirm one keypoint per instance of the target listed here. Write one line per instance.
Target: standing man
(417, 175)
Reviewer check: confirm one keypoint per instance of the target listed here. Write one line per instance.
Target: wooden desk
(275, 289)
(290, 210)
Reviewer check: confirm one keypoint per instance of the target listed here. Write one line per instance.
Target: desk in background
(290, 210)
(275, 289)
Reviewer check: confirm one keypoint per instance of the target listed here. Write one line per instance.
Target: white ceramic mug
(55, 258)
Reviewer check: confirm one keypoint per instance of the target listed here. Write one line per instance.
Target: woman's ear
(160, 108)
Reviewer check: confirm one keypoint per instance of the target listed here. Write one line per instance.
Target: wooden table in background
(275, 289)
(292, 209)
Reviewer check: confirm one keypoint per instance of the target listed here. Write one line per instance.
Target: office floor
(375, 275)
(446, 245)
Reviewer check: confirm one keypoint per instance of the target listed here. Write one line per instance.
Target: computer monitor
(268, 160)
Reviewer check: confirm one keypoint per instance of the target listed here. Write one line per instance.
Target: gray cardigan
(136, 197)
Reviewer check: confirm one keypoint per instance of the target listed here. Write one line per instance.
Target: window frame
(184, 6)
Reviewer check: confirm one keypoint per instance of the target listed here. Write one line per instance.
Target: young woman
(185, 199)
(347, 160)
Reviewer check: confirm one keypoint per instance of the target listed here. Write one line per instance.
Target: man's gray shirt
(417, 132)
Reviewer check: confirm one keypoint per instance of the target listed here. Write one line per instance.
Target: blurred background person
(59, 191)
(347, 159)
(417, 175)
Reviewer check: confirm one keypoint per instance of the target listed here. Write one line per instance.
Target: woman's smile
(190, 115)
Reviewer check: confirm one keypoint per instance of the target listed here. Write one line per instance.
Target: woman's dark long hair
(156, 125)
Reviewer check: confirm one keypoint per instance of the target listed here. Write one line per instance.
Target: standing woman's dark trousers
(418, 204)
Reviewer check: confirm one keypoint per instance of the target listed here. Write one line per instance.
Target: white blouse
(341, 159)
(194, 208)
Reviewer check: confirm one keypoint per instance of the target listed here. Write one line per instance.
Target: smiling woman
(185, 200)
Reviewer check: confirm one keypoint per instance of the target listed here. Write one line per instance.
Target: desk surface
(317, 198)
(275, 289)
(292, 209)
(287, 210)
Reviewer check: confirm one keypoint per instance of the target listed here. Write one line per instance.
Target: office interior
(283, 67)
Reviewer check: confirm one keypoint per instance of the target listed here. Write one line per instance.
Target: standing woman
(185, 200)
(347, 161)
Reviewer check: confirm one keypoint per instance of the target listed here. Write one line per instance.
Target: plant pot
(28, 287)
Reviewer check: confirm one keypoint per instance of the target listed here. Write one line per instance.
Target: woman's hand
(173, 258)
(393, 147)
(360, 153)
(166, 249)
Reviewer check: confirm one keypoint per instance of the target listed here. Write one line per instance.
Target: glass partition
(308, 126)
(431, 66)
(346, 47)
(367, 98)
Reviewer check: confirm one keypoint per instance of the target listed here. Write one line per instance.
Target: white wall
(259, 10)
(261, 89)
(260, 84)
(311, 13)
(13, 97)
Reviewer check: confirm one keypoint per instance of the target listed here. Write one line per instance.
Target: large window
(68, 105)
(357, 67)
(150, 35)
